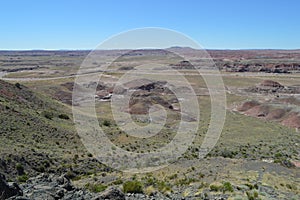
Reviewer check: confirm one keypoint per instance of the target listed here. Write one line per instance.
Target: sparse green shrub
(174, 176)
(133, 187)
(76, 156)
(23, 178)
(18, 85)
(291, 187)
(117, 182)
(70, 174)
(163, 186)
(251, 187)
(48, 114)
(95, 187)
(19, 166)
(41, 168)
(227, 154)
(185, 181)
(20, 169)
(252, 195)
(90, 155)
(278, 155)
(214, 188)
(63, 116)
(106, 123)
(227, 187)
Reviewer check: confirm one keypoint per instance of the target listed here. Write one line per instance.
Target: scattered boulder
(50, 187)
(111, 193)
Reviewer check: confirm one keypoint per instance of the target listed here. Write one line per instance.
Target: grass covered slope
(37, 135)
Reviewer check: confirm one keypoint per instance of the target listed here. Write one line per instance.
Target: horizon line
(209, 49)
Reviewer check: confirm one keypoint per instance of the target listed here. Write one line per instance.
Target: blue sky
(215, 24)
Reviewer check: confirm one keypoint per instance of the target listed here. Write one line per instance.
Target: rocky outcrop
(183, 65)
(273, 87)
(111, 193)
(267, 68)
(53, 187)
(8, 190)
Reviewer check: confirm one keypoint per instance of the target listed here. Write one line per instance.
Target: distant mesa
(184, 64)
(273, 87)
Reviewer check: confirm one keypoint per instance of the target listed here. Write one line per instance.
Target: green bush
(133, 187)
(215, 188)
(20, 169)
(227, 187)
(252, 195)
(117, 182)
(48, 114)
(163, 186)
(63, 116)
(19, 166)
(23, 178)
(18, 85)
(106, 122)
(95, 187)
(227, 153)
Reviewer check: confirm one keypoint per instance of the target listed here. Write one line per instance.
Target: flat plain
(256, 157)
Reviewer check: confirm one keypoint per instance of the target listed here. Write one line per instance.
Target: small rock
(111, 193)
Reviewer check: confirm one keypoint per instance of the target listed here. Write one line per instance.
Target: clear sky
(215, 24)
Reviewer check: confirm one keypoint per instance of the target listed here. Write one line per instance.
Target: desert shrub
(150, 181)
(215, 188)
(63, 116)
(20, 168)
(291, 187)
(150, 190)
(106, 122)
(174, 176)
(163, 186)
(251, 187)
(95, 187)
(48, 114)
(227, 153)
(252, 195)
(132, 187)
(227, 187)
(185, 181)
(23, 178)
(18, 85)
(40, 168)
(90, 155)
(117, 182)
(76, 156)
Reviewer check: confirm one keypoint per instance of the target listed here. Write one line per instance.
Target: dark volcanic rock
(111, 193)
(8, 190)
(51, 187)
